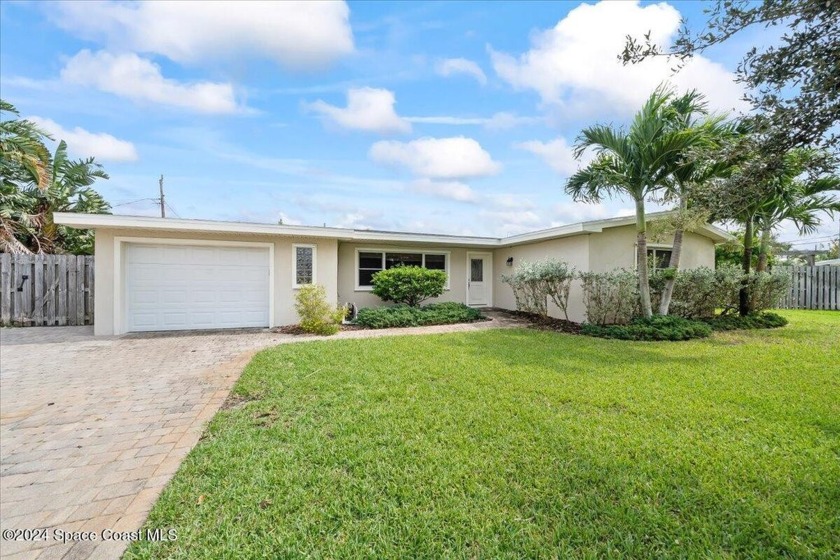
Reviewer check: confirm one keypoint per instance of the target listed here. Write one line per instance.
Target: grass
(522, 444)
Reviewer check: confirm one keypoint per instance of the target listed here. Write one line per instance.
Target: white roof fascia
(112, 221)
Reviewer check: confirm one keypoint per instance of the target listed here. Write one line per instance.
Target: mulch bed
(547, 323)
(296, 330)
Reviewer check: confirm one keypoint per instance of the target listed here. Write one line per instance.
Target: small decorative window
(304, 265)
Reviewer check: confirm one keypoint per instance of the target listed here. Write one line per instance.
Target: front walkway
(92, 428)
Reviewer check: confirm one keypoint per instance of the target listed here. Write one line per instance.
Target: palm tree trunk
(744, 300)
(674, 264)
(642, 258)
(763, 251)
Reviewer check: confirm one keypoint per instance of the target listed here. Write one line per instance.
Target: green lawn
(522, 444)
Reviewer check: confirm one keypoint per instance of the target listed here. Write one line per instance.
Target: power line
(172, 209)
(822, 239)
(133, 202)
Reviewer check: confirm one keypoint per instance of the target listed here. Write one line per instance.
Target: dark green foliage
(754, 321)
(657, 327)
(406, 316)
(411, 285)
(35, 184)
(792, 84)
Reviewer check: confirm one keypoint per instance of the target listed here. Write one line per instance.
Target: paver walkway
(92, 428)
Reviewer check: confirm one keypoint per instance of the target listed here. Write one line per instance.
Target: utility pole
(162, 199)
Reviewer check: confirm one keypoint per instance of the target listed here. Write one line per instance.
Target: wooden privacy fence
(813, 287)
(38, 290)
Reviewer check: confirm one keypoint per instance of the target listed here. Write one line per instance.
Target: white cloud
(574, 65)
(82, 143)
(139, 79)
(499, 121)
(362, 219)
(450, 66)
(453, 190)
(288, 221)
(367, 109)
(558, 154)
(294, 34)
(508, 201)
(439, 158)
(573, 212)
(511, 222)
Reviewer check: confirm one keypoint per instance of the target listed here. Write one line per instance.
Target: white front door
(479, 284)
(181, 287)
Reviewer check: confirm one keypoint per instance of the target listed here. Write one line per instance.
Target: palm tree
(24, 159)
(689, 112)
(23, 155)
(800, 200)
(27, 210)
(634, 162)
(69, 190)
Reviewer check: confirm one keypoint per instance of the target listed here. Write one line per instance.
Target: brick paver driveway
(91, 429)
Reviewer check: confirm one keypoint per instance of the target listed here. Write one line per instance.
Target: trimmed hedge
(754, 321)
(406, 316)
(657, 327)
(411, 285)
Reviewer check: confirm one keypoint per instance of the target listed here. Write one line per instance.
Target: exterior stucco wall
(347, 292)
(336, 266)
(326, 269)
(616, 248)
(572, 250)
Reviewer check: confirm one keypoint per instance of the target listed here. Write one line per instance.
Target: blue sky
(439, 117)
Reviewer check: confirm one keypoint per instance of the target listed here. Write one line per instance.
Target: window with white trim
(659, 258)
(303, 265)
(370, 262)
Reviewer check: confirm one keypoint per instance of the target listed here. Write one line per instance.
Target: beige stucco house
(155, 274)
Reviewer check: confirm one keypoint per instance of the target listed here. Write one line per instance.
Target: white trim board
(110, 221)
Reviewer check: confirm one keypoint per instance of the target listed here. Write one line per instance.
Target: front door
(478, 279)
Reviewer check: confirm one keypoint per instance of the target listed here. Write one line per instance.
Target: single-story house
(155, 274)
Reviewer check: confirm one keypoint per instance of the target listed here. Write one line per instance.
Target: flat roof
(117, 221)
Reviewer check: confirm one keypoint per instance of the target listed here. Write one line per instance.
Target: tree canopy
(34, 184)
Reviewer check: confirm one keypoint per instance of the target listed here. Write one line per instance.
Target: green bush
(410, 285)
(317, 316)
(406, 316)
(534, 284)
(698, 291)
(610, 297)
(768, 288)
(657, 327)
(754, 321)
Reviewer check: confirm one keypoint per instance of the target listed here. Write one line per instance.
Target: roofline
(116, 221)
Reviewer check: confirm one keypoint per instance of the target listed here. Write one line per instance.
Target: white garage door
(179, 287)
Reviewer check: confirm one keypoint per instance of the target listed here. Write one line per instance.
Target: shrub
(610, 297)
(317, 316)
(698, 292)
(406, 316)
(535, 284)
(658, 327)
(410, 285)
(767, 288)
(754, 321)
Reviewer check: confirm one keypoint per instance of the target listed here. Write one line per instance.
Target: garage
(186, 287)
